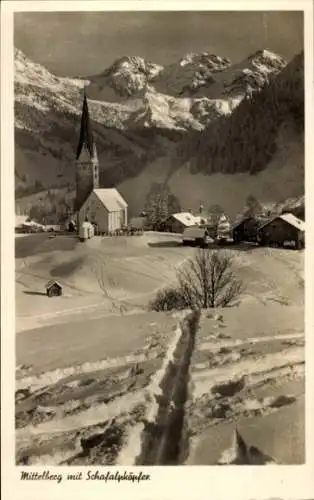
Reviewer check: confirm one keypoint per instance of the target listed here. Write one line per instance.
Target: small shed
(282, 229)
(53, 289)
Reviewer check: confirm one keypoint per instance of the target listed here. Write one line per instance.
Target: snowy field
(99, 378)
(250, 372)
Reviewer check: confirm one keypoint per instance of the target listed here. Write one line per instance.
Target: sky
(86, 43)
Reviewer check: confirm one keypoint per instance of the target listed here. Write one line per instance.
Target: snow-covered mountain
(125, 78)
(189, 73)
(141, 113)
(162, 111)
(247, 76)
(124, 106)
(194, 75)
(258, 150)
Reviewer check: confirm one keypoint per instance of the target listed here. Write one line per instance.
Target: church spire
(86, 135)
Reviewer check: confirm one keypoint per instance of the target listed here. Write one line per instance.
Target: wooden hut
(53, 289)
(281, 230)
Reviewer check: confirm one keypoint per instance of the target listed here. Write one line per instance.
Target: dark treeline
(246, 140)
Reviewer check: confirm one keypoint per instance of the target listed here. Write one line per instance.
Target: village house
(177, 223)
(104, 208)
(283, 229)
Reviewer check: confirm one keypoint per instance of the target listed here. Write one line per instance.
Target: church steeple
(87, 166)
(86, 135)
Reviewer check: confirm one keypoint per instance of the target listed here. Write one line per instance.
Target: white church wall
(96, 213)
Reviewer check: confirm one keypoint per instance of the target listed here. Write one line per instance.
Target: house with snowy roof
(283, 229)
(177, 223)
(105, 208)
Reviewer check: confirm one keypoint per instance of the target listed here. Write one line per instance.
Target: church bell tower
(87, 165)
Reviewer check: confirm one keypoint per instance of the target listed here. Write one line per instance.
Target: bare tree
(209, 281)
(206, 281)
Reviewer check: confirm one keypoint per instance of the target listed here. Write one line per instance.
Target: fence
(120, 232)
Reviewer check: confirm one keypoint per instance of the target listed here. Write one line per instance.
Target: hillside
(175, 124)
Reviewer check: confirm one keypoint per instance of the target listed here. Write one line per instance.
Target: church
(104, 208)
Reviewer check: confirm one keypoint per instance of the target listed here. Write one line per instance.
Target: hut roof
(51, 283)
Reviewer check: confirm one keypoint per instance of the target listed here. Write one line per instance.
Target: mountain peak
(135, 64)
(127, 76)
(189, 73)
(269, 59)
(212, 61)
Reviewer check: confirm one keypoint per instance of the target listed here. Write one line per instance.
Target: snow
(293, 220)
(133, 447)
(28, 100)
(270, 55)
(186, 218)
(203, 381)
(178, 113)
(92, 416)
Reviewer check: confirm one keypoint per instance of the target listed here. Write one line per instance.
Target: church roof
(86, 135)
(111, 199)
